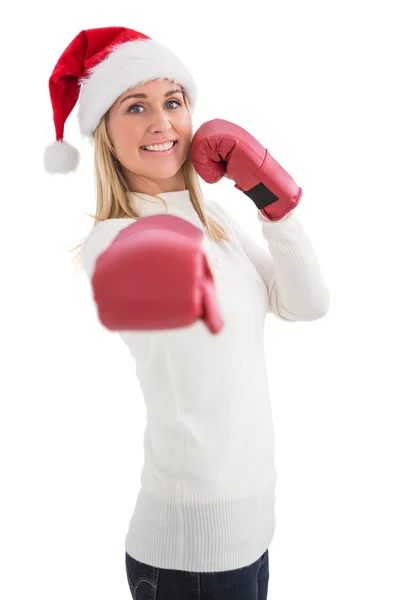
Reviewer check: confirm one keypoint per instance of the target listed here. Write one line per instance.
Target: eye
(134, 106)
(140, 106)
(176, 102)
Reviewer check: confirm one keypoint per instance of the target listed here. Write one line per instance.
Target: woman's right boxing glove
(155, 275)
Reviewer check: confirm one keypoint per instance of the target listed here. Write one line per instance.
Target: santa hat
(100, 65)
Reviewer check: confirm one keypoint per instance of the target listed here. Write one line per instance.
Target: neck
(142, 185)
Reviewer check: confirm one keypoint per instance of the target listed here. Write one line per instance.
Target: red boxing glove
(220, 148)
(155, 275)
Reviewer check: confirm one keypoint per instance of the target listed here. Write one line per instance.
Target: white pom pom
(61, 157)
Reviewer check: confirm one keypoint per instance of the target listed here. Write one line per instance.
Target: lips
(158, 143)
(159, 151)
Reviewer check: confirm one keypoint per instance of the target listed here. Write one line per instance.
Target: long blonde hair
(112, 189)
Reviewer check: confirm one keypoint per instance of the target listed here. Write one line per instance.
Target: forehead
(153, 88)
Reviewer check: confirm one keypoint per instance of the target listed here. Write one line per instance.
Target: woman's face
(156, 113)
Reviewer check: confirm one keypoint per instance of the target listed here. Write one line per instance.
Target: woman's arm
(151, 274)
(288, 266)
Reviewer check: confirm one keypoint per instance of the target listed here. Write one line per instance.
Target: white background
(317, 84)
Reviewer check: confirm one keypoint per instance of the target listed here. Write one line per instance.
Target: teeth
(160, 148)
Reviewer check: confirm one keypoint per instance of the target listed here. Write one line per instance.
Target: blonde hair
(112, 189)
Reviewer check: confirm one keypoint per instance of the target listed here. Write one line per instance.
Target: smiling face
(146, 115)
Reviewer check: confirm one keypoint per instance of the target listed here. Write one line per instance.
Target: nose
(161, 122)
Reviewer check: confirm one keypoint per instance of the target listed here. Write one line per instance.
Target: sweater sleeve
(99, 238)
(288, 266)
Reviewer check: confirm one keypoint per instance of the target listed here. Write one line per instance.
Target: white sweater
(207, 497)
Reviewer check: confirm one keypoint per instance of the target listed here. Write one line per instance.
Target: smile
(164, 149)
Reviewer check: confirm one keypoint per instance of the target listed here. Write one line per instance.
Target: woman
(188, 290)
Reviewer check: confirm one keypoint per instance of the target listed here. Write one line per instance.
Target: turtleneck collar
(179, 199)
(178, 203)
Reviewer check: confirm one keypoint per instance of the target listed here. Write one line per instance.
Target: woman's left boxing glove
(220, 148)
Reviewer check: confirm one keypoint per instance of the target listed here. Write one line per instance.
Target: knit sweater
(207, 497)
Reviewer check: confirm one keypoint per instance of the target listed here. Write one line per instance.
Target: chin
(161, 174)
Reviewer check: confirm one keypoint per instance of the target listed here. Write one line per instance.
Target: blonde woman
(188, 290)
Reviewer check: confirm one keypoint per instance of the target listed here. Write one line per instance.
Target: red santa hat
(97, 67)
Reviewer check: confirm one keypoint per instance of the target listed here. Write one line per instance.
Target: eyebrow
(170, 93)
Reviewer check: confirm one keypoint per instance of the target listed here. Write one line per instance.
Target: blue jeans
(151, 583)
